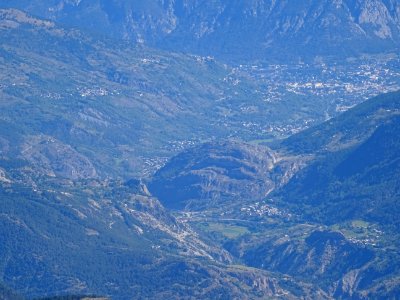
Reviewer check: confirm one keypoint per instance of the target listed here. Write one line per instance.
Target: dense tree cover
(8, 294)
(356, 171)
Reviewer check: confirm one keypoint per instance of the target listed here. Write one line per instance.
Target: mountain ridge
(85, 120)
(259, 30)
(332, 222)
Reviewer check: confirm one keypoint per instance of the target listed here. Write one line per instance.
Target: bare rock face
(215, 174)
(376, 15)
(324, 257)
(221, 174)
(3, 176)
(237, 29)
(51, 157)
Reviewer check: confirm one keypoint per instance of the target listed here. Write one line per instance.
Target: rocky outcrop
(222, 173)
(51, 157)
(215, 174)
(325, 258)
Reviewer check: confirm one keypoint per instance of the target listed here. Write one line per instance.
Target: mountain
(81, 116)
(348, 129)
(351, 185)
(238, 30)
(328, 211)
(98, 107)
(355, 173)
(112, 238)
(211, 173)
(65, 235)
(219, 174)
(87, 119)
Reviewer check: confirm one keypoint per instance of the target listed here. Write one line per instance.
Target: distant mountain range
(240, 30)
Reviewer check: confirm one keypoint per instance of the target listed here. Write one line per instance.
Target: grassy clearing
(227, 230)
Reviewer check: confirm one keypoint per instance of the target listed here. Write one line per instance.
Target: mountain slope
(357, 168)
(72, 241)
(218, 175)
(357, 148)
(111, 238)
(352, 187)
(212, 175)
(98, 107)
(79, 112)
(330, 216)
(346, 130)
(235, 29)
